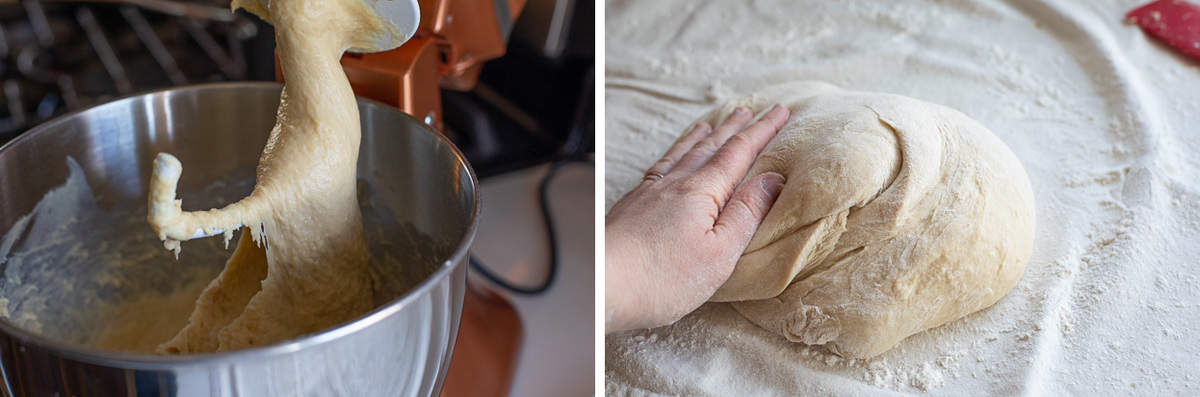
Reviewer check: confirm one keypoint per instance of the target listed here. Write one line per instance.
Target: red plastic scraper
(1175, 22)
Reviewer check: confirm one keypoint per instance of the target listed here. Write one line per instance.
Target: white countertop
(557, 348)
(1102, 116)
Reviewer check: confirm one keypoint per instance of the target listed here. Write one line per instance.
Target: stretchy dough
(312, 273)
(897, 216)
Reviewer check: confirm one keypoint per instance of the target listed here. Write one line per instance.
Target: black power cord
(551, 234)
(574, 149)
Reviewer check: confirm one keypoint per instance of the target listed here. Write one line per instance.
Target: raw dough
(897, 216)
(312, 273)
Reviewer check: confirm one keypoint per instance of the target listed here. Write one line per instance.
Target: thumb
(747, 207)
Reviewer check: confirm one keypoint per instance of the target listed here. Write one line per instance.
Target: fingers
(747, 208)
(702, 151)
(733, 124)
(679, 148)
(729, 165)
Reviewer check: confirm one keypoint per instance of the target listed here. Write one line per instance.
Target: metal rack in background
(59, 56)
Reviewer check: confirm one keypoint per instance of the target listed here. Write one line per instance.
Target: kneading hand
(673, 240)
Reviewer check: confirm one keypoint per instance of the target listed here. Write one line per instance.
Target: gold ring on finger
(652, 176)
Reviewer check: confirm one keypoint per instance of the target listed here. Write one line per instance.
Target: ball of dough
(897, 216)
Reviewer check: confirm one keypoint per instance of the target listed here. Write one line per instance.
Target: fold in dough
(897, 216)
(313, 273)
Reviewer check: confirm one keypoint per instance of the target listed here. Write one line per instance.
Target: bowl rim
(148, 361)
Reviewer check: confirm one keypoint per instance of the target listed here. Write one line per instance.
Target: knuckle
(707, 145)
(699, 195)
(703, 184)
(683, 191)
(720, 170)
(732, 121)
(699, 154)
(677, 190)
(661, 165)
(739, 140)
(714, 203)
(745, 206)
(758, 205)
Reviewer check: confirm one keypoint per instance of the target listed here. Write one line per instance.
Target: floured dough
(312, 273)
(897, 216)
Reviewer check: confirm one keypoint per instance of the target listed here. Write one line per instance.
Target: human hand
(673, 240)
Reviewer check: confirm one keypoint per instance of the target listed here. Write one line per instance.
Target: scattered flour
(1103, 118)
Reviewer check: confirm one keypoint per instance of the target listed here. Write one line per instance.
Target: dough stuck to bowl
(897, 216)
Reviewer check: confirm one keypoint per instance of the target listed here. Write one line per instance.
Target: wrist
(621, 285)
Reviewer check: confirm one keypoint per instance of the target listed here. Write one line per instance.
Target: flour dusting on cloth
(1102, 117)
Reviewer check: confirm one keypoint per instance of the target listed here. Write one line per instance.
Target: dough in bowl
(898, 216)
(301, 265)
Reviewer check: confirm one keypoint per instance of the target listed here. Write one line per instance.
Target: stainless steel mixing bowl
(402, 348)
